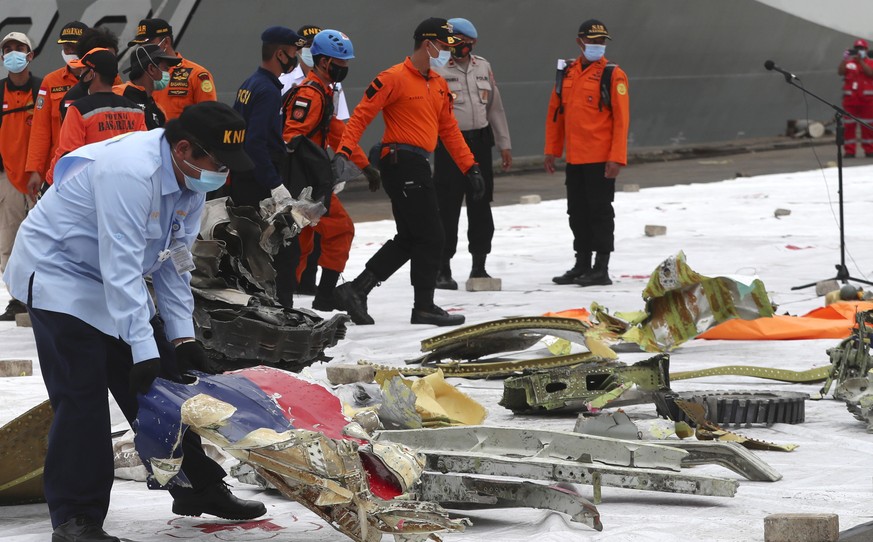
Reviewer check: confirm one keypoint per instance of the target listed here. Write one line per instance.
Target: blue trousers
(79, 364)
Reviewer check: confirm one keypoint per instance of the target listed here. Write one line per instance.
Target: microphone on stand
(771, 66)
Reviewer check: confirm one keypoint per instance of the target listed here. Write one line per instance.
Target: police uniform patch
(300, 109)
(206, 86)
(621, 88)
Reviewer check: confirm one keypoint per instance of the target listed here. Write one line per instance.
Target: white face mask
(306, 56)
(594, 52)
(68, 58)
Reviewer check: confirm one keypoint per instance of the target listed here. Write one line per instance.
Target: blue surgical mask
(594, 52)
(208, 181)
(306, 56)
(15, 61)
(162, 83)
(441, 60)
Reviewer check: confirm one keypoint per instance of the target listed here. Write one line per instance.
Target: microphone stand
(842, 271)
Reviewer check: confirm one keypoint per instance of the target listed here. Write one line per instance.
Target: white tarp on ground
(725, 228)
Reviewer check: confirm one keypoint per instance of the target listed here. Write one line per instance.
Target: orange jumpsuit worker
(310, 113)
(46, 128)
(100, 115)
(595, 136)
(857, 72)
(190, 83)
(417, 109)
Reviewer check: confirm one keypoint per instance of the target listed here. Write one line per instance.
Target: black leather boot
(435, 316)
(217, 500)
(583, 265)
(444, 280)
(81, 529)
(14, 307)
(324, 294)
(478, 269)
(599, 274)
(352, 297)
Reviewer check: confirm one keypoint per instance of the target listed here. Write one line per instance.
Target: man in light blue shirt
(120, 211)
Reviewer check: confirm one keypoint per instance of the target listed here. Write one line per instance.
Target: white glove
(281, 196)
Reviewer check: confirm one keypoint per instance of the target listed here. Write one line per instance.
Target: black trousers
(589, 205)
(419, 240)
(452, 186)
(78, 364)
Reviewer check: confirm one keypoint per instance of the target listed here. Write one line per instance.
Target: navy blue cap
(282, 36)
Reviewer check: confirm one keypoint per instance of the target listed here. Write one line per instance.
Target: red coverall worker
(857, 72)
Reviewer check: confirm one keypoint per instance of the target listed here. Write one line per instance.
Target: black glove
(477, 182)
(374, 178)
(142, 375)
(190, 356)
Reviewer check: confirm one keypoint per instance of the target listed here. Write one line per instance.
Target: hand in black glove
(190, 356)
(374, 178)
(477, 182)
(142, 375)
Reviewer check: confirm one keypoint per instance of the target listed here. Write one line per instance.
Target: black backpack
(308, 164)
(605, 87)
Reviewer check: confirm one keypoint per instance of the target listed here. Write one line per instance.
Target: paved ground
(650, 168)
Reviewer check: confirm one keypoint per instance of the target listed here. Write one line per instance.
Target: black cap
(149, 29)
(308, 32)
(220, 130)
(100, 59)
(436, 29)
(282, 35)
(593, 29)
(143, 55)
(72, 31)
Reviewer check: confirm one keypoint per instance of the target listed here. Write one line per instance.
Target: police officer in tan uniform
(479, 111)
(190, 83)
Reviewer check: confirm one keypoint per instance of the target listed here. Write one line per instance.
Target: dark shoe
(599, 274)
(444, 280)
(436, 316)
(307, 289)
(478, 269)
(14, 307)
(217, 500)
(583, 265)
(81, 529)
(323, 302)
(352, 297)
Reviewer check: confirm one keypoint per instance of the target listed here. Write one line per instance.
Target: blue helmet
(463, 26)
(332, 43)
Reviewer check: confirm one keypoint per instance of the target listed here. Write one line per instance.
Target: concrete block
(823, 287)
(22, 320)
(348, 374)
(802, 528)
(529, 199)
(484, 285)
(653, 231)
(781, 212)
(630, 188)
(16, 367)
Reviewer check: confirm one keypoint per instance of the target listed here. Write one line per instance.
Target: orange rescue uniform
(97, 117)
(190, 83)
(417, 110)
(590, 133)
(45, 133)
(15, 132)
(302, 117)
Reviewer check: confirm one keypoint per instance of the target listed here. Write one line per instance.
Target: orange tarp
(832, 322)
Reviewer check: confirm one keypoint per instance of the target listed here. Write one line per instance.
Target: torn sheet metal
(246, 335)
(852, 358)
(559, 457)
(706, 430)
(23, 446)
(858, 395)
(437, 402)
(730, 455)
(294, 434)
(579, 387)
(467, 492)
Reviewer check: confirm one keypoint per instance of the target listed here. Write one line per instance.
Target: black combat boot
(426, 312)
(478, 269)
(14, 307)
(352, 297)
(444, 280)
(599, 274)
(81, 529)
(324, 294)
(583, 265)
(217, 500)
